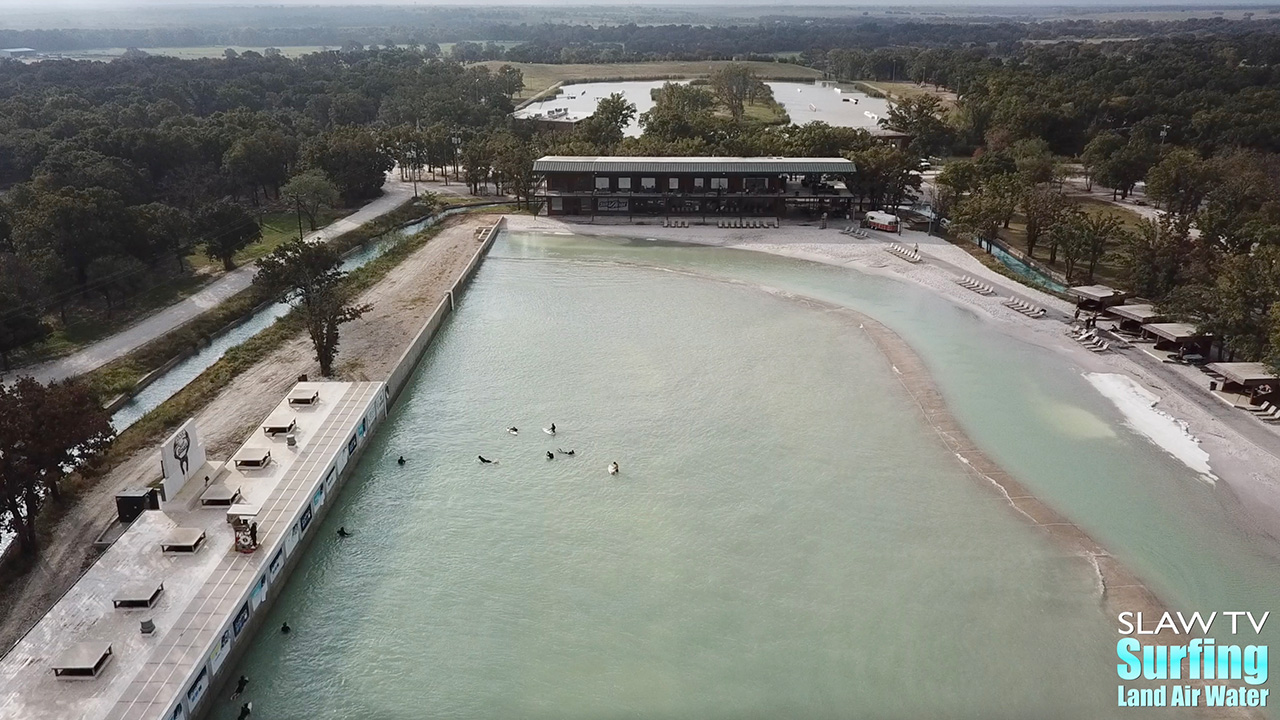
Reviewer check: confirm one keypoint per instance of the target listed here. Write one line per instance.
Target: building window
(602, 183)
(673, 184)
(624, 183)
(697, 182)
(557, 204)
(719, 183)
(648, 184)
(756, 184)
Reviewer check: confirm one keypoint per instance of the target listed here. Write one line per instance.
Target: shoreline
(1119, 588)
(1244, 475)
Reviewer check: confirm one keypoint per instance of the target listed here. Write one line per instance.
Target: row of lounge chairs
(740, 223)
(1267, 412)
(855, 231)
(1026, 308)
(675, 223)
(906, 253)
(1090, 340)
(976, 285)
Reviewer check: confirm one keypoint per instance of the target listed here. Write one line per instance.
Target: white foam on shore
(1138, 405)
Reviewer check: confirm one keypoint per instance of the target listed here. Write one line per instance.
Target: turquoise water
(786, 538)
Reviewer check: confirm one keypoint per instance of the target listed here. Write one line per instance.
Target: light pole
(457, 147)
(1164, 131)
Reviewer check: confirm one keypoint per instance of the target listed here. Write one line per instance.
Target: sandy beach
(1234, 452)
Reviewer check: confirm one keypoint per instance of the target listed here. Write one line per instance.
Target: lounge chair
(1266, 408)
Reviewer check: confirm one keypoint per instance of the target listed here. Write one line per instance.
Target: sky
(57, 5)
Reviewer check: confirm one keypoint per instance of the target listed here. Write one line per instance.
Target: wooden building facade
(723, 186)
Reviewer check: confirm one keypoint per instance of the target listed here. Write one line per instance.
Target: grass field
(277, 228)
(897, 90)
(1108, 271)
(538, 77)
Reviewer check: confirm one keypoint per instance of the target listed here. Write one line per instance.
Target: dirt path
(370, 347)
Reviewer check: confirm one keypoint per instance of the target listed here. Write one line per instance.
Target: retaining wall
(410, 358)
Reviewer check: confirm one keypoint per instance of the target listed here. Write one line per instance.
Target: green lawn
(898, 90)
(277, 229)
(1108, 271)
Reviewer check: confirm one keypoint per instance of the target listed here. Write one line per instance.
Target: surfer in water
(400, 461)
(240, 686)
(486, 461)
(564, 452)
(342, 532)
(550, 455)
(513, 430)
(551, 430)
(245, 709)
(613, 468)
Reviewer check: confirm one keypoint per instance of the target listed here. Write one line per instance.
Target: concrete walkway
(110, 348)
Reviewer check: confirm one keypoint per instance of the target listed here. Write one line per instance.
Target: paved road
(107, 349)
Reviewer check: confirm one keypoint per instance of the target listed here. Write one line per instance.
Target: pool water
(786, 538)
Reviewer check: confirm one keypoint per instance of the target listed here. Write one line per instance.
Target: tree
(1034, 160)
(978, 216)
(887, 176)
(1180, 181)
(921, 117)
(225, 229)
(309, 277)
(513, 163)
(1157, 258)
(309, 192)
(1237, 307)
(1042, 207)
(731, 84)
(47, 432)
(1068, 236)
(164, 228)
(1127, 166)
(354, 160)
(20, 306)
(1101, 231)
(607, 125)
(1097, 154)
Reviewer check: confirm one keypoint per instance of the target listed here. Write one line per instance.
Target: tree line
(491, 36)
(118, 171)
(1192, 121)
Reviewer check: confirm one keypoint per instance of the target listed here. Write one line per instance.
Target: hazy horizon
(63, 5)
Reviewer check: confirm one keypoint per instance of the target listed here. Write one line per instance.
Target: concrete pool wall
(396, 381)
(211, 602)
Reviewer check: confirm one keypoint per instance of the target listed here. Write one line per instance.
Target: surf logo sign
(1194, 669)
(181, 457)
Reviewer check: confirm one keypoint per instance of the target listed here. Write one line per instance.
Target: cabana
(138, 595)
(1095, 298)
(1190, 344)
(1256, 380)
(303, 396)
(251, 457)
(279, 424)
(82, 660)
(1133, 317)
(220, 494)
(183, 540)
